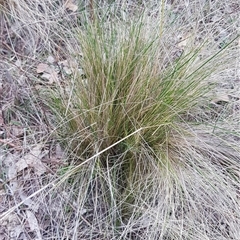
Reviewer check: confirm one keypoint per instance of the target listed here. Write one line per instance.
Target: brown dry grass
(31, 157)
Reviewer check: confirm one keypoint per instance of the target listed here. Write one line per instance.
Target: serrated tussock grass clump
(125, 119)
(125, 87)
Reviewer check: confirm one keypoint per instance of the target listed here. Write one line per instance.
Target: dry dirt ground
(29, 155)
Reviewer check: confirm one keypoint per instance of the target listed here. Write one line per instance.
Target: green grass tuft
(125, 115)
(125, 86)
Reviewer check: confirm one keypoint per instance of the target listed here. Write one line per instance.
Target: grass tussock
(146, 156)
(126, 86)
(152, 175)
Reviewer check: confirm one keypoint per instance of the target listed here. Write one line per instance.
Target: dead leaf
(184, 41)
(16, 131)
(27, 201)
(51, 77)
(66, 66)
(10, 162)
(221, 99)
(63, 63)
(46, 76)
(59, 151)
(33, 159)
(33, 224)
(67, 70)
(49, 73)
(234, 97)
(69, 5)
(42, 67)
(51, 59)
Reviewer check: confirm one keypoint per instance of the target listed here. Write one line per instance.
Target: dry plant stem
(64, 177)
(92, 14)
(11, 210)
(75, 169)
(162, 11)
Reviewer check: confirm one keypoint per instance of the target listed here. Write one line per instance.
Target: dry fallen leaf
(10, 162)
(33, 159)
(69, 5)
(59, 151)
(53, 77)
(51, 59)
(42, 67)
(221, 98)
(16, 131)
(66, 66)
(184, 41)
(46, 76)
(49, 73)
(33, 224)
(27, 201)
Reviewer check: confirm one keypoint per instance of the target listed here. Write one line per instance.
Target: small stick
(91, 11)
